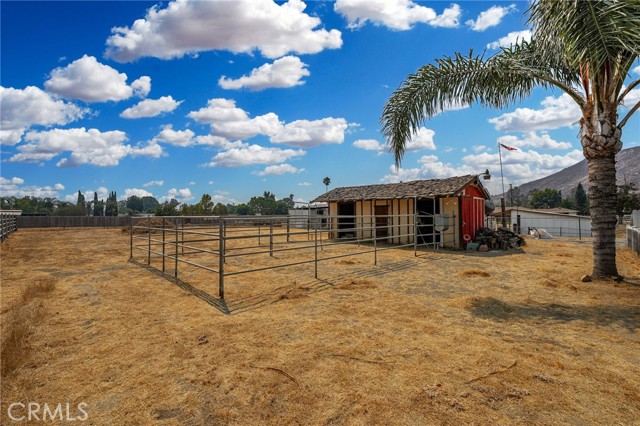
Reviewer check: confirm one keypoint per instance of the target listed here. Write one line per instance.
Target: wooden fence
(72, 221)
(7, 225)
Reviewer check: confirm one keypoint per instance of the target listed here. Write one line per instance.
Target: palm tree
(585, 49)
(327, 182)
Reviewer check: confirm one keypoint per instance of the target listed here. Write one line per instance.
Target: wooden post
(271, 238)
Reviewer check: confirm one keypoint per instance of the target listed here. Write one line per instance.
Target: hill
(566, 180)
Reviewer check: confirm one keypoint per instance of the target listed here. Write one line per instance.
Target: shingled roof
(431, 188)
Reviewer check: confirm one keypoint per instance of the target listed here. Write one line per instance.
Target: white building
(556, 224)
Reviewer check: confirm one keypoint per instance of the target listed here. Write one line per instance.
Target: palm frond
(497, 81)
(593, 33)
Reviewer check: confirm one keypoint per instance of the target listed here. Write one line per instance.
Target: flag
(508, 148)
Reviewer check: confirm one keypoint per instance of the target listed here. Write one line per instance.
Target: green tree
(219, 209)
(149, 203)
(584, 48)
(168, 208)
(111, 206)
(628, 199)
(98, 206)
(81, 201)
(326, 182)
(244, 209)
(134, 203)
(547, 198)
(205, 206)
(582, 201)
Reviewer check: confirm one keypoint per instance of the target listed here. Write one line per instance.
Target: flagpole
(502, 205)
(501, 174)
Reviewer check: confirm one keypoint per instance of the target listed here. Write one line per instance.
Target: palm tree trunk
(600, 151)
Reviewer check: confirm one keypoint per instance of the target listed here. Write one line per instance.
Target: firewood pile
(502, 238)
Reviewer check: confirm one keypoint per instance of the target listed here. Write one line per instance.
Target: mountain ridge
(566, 180)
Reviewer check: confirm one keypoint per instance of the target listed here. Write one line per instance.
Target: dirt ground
(509, 338)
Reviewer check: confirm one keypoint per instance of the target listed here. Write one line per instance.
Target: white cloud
(186, 27)
(15, 187)
(181, 195)
(518, 167)
(422, 139)
(632, 98)
(253, 154)
(89, 80)
(395, 14)
(22, 108)
(230, 122)
(181, 138)
(284, 72)
(490, 17)
(306, 133)
(556, 113)
(369, 145)
(151, 107)
(142, 86)
(86, 147)
(279, 169)
(511, 39)
(219, 142)
(129, 192)
(480, 148)
(304, 184)
(153, 183)
(533, 139)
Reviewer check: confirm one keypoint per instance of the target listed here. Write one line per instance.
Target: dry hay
(474, 273)
(412, 341)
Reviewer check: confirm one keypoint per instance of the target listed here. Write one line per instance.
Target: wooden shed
(445, 212)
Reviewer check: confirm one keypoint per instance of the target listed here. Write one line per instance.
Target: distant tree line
(628, 199)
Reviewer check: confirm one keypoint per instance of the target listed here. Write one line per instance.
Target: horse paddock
(445, 337)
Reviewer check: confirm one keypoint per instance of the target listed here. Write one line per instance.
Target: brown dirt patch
(414, 340)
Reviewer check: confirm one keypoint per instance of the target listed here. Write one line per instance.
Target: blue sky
(233, 98)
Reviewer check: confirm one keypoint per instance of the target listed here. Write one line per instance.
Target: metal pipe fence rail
(568, 226)
(8, 224)
(230, 246)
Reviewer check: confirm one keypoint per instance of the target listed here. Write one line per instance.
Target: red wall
(472, 212)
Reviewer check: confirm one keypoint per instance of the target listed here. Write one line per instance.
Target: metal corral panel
(558, 225)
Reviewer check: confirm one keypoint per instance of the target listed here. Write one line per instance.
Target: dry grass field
(445, 338)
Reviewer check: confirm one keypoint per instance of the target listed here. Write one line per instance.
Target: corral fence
(229, 246)
(558, 226)
(8, 224)
(633, 232)
(72, 221)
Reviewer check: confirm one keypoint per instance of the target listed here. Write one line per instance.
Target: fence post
(375, 242)
(415, 227)
(271, 238)
(130, 237)
(315, 239)
(175, 271)
(579, 229)
(221, 249)
(149, 232)
(288, 228)
(182, 225)
(163, 243)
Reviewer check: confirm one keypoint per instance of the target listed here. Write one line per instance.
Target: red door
(472, 217)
